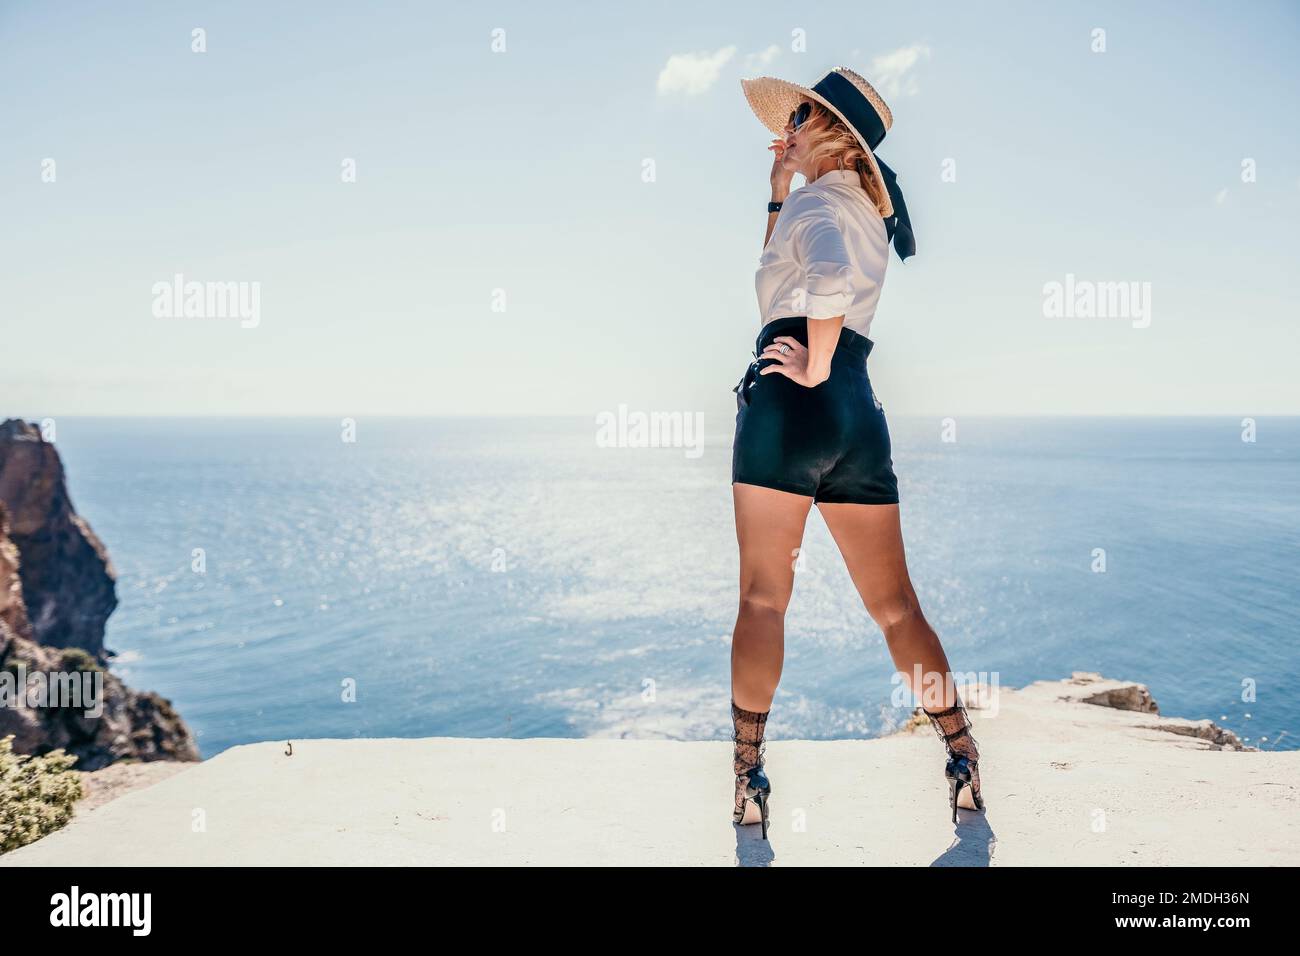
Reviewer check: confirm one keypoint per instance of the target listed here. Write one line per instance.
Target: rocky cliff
(67, 579)
(57, 589)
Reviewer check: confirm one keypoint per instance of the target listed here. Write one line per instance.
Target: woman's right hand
(780, 176)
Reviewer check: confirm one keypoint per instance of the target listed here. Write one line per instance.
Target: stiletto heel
(752, 788)
(962, 770)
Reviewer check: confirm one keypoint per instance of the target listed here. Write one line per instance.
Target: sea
(282, 579)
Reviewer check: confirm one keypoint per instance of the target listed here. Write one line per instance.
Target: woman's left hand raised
(792, 362)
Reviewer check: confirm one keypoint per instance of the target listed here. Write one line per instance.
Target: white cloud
(1221, 197)
(693, 73)
(756, 61)
(891, 73)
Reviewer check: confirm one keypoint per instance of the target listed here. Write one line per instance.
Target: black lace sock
(748, 737)
(953, 726)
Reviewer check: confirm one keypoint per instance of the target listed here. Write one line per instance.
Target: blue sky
(522, 171)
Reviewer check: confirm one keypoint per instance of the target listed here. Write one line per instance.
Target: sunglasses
(800, 116)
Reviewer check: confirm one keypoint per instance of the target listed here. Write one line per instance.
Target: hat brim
(773, 100)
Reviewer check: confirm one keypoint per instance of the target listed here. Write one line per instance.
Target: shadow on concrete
(751, 848)
(974, 841)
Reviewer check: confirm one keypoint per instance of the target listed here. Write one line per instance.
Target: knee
(896, 614)
(763, 604)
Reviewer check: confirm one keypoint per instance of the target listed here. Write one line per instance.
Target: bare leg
(769, 529)
(871, 540)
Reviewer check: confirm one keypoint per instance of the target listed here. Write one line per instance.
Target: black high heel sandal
(962, 769)
(752, 786)
(752, 789)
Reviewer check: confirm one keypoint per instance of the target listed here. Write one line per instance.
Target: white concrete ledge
(1066, 782)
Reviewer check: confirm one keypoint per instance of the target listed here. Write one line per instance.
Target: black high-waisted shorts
(829, 442)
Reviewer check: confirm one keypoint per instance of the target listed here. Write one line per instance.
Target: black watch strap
(774, 207)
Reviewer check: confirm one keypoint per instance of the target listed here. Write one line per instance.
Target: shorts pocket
(874, 398)
(743, 387)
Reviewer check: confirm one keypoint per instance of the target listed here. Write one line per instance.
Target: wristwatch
(774, 207)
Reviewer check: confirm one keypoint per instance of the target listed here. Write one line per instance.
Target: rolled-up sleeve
(818, 247)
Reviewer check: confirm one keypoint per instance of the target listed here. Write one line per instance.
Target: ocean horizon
(527, 577)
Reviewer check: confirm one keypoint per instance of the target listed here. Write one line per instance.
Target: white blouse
(827, 254)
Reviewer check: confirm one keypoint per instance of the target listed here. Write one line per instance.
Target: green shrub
(37, 794)
(12, 662)
(75, 659)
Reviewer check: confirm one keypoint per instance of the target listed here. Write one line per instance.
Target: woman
(809, 428)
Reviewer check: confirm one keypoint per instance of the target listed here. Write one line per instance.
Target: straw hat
(861, 109)
(844, 93)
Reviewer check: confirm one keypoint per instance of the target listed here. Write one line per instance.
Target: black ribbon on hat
(899, 225)
(840, 92)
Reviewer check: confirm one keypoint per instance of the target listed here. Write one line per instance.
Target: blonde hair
(825, 136)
